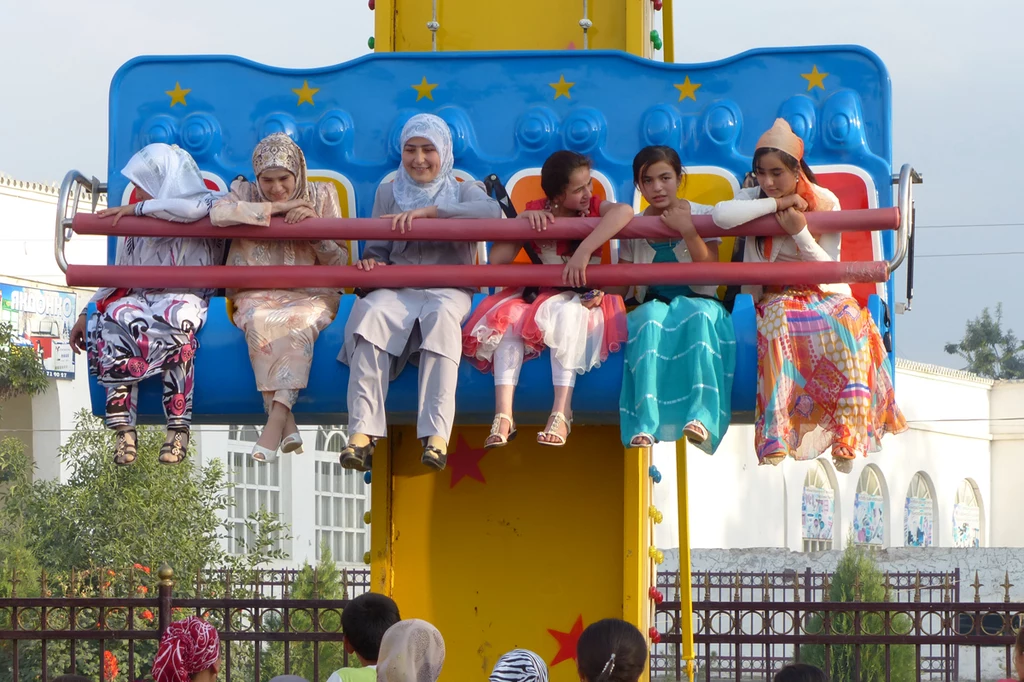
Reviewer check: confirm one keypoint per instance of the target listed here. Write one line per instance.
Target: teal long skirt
(679, 366)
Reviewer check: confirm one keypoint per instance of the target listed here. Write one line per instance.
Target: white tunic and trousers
(389, 327)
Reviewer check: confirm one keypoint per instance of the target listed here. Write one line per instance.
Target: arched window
(818, 509)
(919, 512)
(869, 509)
(967, 515)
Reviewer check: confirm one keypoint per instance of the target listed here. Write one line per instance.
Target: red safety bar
(489, 229)
(471, 276)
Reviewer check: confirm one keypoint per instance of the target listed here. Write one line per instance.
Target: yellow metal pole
(669, 30)
(384, 26)
(685, 566)
(381, 531)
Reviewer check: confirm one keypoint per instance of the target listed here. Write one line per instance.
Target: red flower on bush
(147, 615)
(106, 585)
(111, 573)
(140, 567)
(109, 665)
(142, 589)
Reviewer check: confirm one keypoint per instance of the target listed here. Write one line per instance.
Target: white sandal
(641, 436)
(292, 443)
(501, 441)
(696, 433)
(557, 419)
(262, 454)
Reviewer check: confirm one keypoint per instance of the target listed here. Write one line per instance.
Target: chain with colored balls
(656, 595)
(656, 39)
(654, 635)
(370, 43)
(367, 517)
(654, 473)
(656, 515)
(366, 558)
(372, 4)
(656, 554)
(367, 478)
(657, 5)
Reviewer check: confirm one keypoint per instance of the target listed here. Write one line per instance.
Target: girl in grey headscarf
(389, 327)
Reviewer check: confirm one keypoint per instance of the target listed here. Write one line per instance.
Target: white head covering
(166, 172)
(519, 665)
(442, 190)
(410, 651)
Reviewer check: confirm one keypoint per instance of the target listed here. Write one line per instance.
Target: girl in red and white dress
(580, 326)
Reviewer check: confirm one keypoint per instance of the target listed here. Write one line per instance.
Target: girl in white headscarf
(388, 327)
(139, 333)
(410, 651)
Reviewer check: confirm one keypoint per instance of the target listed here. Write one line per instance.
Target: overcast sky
(955, 71)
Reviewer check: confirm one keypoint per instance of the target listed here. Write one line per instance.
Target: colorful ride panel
(507, 112)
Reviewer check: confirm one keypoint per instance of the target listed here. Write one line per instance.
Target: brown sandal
(433, 456)
(175, 450)
(125, 450)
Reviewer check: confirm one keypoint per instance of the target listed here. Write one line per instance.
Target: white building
(957, 466)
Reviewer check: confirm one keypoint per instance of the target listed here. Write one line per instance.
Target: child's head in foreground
(611, 650)
(364, 622)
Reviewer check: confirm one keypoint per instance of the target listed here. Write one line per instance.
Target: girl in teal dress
(681, 350)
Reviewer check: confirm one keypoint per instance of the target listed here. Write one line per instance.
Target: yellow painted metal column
(685, 566)
(639, 572)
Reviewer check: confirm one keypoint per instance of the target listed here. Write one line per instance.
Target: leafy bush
(857, 572)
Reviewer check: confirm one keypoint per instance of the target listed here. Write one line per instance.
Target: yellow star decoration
(178, 94)
(687, 89)
(561, 87)
(305, 93)
(815, 79)
(424, 89)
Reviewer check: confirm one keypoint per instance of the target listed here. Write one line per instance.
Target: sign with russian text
(42, 319)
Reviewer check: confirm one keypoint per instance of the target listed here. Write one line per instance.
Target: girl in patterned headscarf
(388, 327)
(410, 651)
(281, 326)
(824, 379)
(189, 652)
(519, 665)
(139, 333)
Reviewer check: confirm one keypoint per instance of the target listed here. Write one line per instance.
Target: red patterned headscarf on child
(188, 646)
(782, 137)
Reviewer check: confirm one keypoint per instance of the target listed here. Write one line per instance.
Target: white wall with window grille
(256, 486)
(342, 498)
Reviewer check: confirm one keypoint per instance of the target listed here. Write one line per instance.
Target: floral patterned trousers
(145, 334)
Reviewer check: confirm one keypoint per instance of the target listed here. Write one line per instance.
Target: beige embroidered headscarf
(410, 651)
(782, 137)
(279, 151)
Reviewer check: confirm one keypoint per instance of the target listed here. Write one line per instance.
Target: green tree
(106, 529)
(324, 581)
(21, 370)
(988, 350)
(858, 579)
(21, 374)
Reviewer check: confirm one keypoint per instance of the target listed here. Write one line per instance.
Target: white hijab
(166, 172)
(410, 651)
(442, 190)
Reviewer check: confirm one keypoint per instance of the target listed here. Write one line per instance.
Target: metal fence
(747, 625)
(78, 625)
